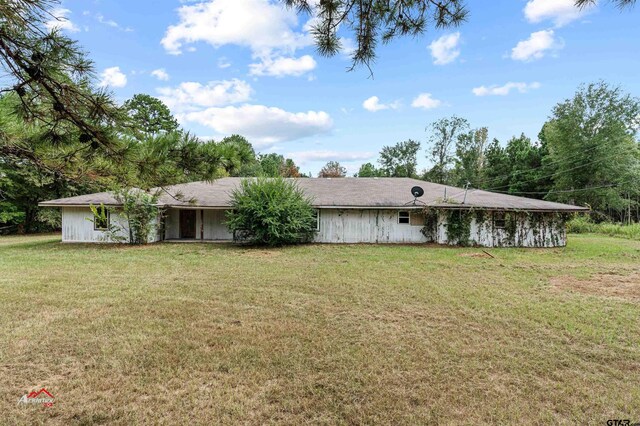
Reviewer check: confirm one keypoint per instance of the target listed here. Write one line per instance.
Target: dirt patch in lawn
(476, 254)
(610, 284)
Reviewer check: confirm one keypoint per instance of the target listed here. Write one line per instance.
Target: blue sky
(249, 67)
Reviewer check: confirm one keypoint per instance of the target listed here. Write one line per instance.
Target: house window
(403, 217)
(316, 215)
(102, 220)
(499, 220)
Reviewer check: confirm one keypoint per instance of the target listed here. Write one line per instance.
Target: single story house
(349, 210)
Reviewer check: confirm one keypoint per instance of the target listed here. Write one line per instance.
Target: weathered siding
(349, 226)
(366, 226)
(172, 224)
(214, 227)
(78, 228)
(529, 230)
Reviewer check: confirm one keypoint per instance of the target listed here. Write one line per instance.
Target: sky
(250, 67)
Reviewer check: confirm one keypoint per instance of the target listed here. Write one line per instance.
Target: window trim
(317, 214)
(407, 217)
(95, 225)
(499, 217)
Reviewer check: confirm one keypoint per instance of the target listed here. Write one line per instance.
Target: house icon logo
(42, 396)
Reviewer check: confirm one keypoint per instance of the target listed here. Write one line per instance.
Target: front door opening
(187, 224)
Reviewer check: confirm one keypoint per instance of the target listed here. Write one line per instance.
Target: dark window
(499, 220)
(403, 217)
(101, 221)
(316, 215)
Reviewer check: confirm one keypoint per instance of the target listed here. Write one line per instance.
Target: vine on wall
(430, 229)
(535, 229)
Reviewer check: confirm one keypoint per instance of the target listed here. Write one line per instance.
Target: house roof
(336, 192)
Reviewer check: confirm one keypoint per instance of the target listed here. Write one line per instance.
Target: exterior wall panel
(78, 228)
(366, 226)
(214, 226)
(342, 226)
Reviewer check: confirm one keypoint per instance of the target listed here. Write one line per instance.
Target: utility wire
(510, 175)
(561, 191)
(556, 173)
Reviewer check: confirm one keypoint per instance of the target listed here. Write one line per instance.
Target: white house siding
(366, 226)
(77, 226)
(214, 227)
(172, 224)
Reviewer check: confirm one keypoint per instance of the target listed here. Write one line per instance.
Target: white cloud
(259, 25)
(281, 66)
(505, 89)
(347, 47)
(373, 104)
(261, 124)
(426, 101)
(223, 62)
(445, 49)
(160, 74)
(303, 157)
(60, 21)
(561, 12)
(111, 23)
(189, 96)
(113, 77)
(536, 46)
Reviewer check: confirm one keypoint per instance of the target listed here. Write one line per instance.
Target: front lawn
(213, 333)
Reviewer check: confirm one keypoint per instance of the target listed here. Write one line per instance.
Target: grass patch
(212, 333)
(583, 225)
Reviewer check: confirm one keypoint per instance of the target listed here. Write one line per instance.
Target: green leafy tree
(368, 170)
(400, 160)
(497, 167)
(592, 140)
(52, 77)
(148, 116)
(469, 159)
(519, 168)
(33, 170)
(290, 170)
(238, 156)
(443, 135)
(527, 174)
(275, 165)
(271, 211)
(332, 169)
(140, 211)
(176, 157)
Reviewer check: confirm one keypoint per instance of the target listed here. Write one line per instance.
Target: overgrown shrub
(583, 225)
(271, 211)
(139, 209)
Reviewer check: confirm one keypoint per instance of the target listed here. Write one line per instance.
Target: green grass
(348, 334)
(583, 225)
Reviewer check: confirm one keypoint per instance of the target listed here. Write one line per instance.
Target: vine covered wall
(480, 227)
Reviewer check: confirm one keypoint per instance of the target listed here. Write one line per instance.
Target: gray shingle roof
(339, 192)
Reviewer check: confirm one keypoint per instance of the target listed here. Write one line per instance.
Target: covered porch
(195, 224)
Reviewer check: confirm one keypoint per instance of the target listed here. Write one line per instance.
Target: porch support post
(202, 224)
